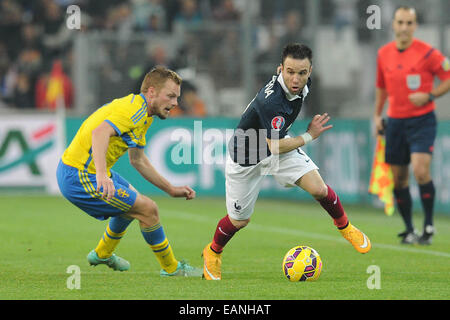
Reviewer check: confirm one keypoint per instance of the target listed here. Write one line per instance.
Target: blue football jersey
(270, 114)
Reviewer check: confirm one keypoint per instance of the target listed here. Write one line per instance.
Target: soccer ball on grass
(302, 263)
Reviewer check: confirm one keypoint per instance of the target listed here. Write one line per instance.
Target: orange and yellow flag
(381, 179)
(55, 87)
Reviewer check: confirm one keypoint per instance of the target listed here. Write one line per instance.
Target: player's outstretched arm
(318, 125)
(315, 128)
(142, 164)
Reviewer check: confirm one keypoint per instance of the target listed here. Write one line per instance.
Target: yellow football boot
(358, 239)
(212, 264)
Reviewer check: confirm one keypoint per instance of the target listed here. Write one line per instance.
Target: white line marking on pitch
(257, 227)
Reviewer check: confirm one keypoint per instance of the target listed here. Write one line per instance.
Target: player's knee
(145, 210)
(421, 174)
(150, 215)
(422, 177)
(401, 179)
(239, 224)
(151, 208)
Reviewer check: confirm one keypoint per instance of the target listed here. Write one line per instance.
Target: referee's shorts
(409, 135)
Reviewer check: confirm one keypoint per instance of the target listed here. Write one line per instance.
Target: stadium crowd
(34, 33)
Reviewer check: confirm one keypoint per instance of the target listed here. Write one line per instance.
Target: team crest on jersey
(278, 123)
(413, 81)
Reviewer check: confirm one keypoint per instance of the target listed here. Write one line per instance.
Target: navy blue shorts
(406, 136)
(79, 187)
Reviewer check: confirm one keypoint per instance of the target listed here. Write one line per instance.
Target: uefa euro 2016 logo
(278, 123)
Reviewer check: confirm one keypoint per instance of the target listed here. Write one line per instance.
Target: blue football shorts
(79, 187)
(409, 135)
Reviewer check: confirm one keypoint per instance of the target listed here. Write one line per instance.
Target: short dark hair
(406, 8)
(296, 51)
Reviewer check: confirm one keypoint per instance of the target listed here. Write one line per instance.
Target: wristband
(306, 137)
(430, 97)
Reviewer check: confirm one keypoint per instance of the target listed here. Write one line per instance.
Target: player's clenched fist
(184, 191)
(317, 125)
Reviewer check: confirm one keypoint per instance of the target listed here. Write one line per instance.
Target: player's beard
(162, 112)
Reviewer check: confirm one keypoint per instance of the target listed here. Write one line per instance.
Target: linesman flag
(381, 179)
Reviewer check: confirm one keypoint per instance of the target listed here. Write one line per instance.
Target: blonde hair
(157, 77)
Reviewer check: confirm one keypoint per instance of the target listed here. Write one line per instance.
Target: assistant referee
(406, 68)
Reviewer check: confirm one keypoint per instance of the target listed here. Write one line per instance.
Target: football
(302, 263)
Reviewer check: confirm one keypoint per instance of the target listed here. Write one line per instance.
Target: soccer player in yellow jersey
(86, 179)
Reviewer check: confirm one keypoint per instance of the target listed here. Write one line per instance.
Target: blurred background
(225, 50)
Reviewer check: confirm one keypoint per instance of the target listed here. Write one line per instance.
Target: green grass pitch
(42, 236)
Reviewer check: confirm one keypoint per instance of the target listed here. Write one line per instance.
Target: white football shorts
(243, 184)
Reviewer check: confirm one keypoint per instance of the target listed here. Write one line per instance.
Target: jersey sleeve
(125, 118)
(120, 122)
(128, 120)
(380, 76)
(272, 121)
(440, 65)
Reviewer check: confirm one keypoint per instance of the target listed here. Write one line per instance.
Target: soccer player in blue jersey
(261, 145)
(86, 179)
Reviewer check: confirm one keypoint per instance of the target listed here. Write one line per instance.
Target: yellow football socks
(108, 243)
(164, 255)
(160, 246)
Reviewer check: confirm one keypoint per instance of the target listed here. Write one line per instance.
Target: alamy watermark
(74, 280)
(73, 20)
(213, 146)
(374, 20)
(374, 280)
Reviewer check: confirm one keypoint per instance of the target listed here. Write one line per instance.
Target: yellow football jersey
(127, 115)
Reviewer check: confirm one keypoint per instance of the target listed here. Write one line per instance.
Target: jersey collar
(143, 97)
(290, 96)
